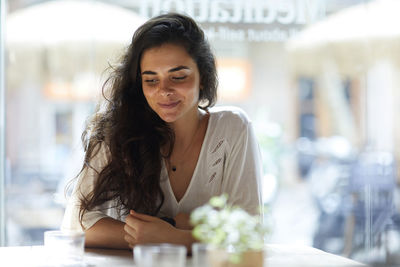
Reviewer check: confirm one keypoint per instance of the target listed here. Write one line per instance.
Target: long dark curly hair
(130, 130)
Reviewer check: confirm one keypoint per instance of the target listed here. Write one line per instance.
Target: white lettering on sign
(240, 11)
(224, 33)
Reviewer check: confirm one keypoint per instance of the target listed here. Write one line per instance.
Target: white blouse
(229, 162)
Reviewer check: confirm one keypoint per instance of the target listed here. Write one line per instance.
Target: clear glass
(159, 255)
(53, 79)
(199, 254)
(64, 248)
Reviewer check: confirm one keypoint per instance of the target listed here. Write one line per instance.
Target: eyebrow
(149, 72)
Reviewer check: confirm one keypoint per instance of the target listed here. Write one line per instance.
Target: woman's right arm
(109, 233)
(101, 227)
(106, 233)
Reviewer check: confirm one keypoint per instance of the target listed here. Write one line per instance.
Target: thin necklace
(173, 166)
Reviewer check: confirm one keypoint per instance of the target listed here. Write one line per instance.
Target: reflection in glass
(318, 79)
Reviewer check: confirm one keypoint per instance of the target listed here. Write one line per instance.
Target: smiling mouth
(169, 105)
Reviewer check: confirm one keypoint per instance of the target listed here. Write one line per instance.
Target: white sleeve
(83, 188)
(243, 172)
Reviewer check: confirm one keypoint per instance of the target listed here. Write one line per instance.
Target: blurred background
(319, 79)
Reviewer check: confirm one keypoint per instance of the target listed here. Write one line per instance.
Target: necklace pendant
(173, 168)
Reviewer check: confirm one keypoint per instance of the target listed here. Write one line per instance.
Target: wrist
(185, 237)
(183, 221)
(169, 220)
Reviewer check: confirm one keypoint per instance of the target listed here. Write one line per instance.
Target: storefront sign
(225, 33)
(284, 12)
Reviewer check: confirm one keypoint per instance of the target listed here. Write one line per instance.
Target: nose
(165, 88)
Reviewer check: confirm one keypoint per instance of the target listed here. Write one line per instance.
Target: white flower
(227, 227)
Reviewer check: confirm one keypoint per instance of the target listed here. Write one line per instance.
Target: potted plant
(235, 237)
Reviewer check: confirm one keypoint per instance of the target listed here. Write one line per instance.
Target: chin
(168, 118)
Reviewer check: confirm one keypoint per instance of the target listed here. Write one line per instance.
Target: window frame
(2, 122)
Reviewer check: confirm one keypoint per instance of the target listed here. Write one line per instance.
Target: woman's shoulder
(228, 123)
(100, 155)
(229, 116)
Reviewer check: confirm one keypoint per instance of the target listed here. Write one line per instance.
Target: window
(318, 79)
(2, 124)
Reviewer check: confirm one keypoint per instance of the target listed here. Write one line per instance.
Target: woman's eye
(150, 81)
(179, 78)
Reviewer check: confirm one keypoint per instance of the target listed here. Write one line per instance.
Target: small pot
(251, 258)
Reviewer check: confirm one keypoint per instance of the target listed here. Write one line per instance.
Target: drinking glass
(159, 255)
(64, 248)
(199, 255)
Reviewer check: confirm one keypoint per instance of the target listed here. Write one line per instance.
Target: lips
(169, 105)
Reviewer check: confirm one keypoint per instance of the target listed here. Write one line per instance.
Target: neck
(185, 129)
(188, 134)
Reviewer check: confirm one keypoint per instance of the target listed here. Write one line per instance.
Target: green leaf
(219, 201)
(197, 233)
(235, 258)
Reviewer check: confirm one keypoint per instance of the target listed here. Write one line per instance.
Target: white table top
(277, 255)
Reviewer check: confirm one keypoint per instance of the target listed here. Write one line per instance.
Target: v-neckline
(195, 169)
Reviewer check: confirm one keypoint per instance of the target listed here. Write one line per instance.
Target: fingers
(141, 216)
(135, 228)
(130, 240)
(130, 235)
(129, 230)
(132, 221)
(135, 235)
(140, 228)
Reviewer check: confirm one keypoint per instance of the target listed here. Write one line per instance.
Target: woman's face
(170, 81)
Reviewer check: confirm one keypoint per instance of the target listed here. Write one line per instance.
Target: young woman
(156, 151)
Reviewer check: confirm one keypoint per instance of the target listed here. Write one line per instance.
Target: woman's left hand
(182, 221)
(141, 228)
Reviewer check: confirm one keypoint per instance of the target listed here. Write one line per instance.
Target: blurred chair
(372, 186)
